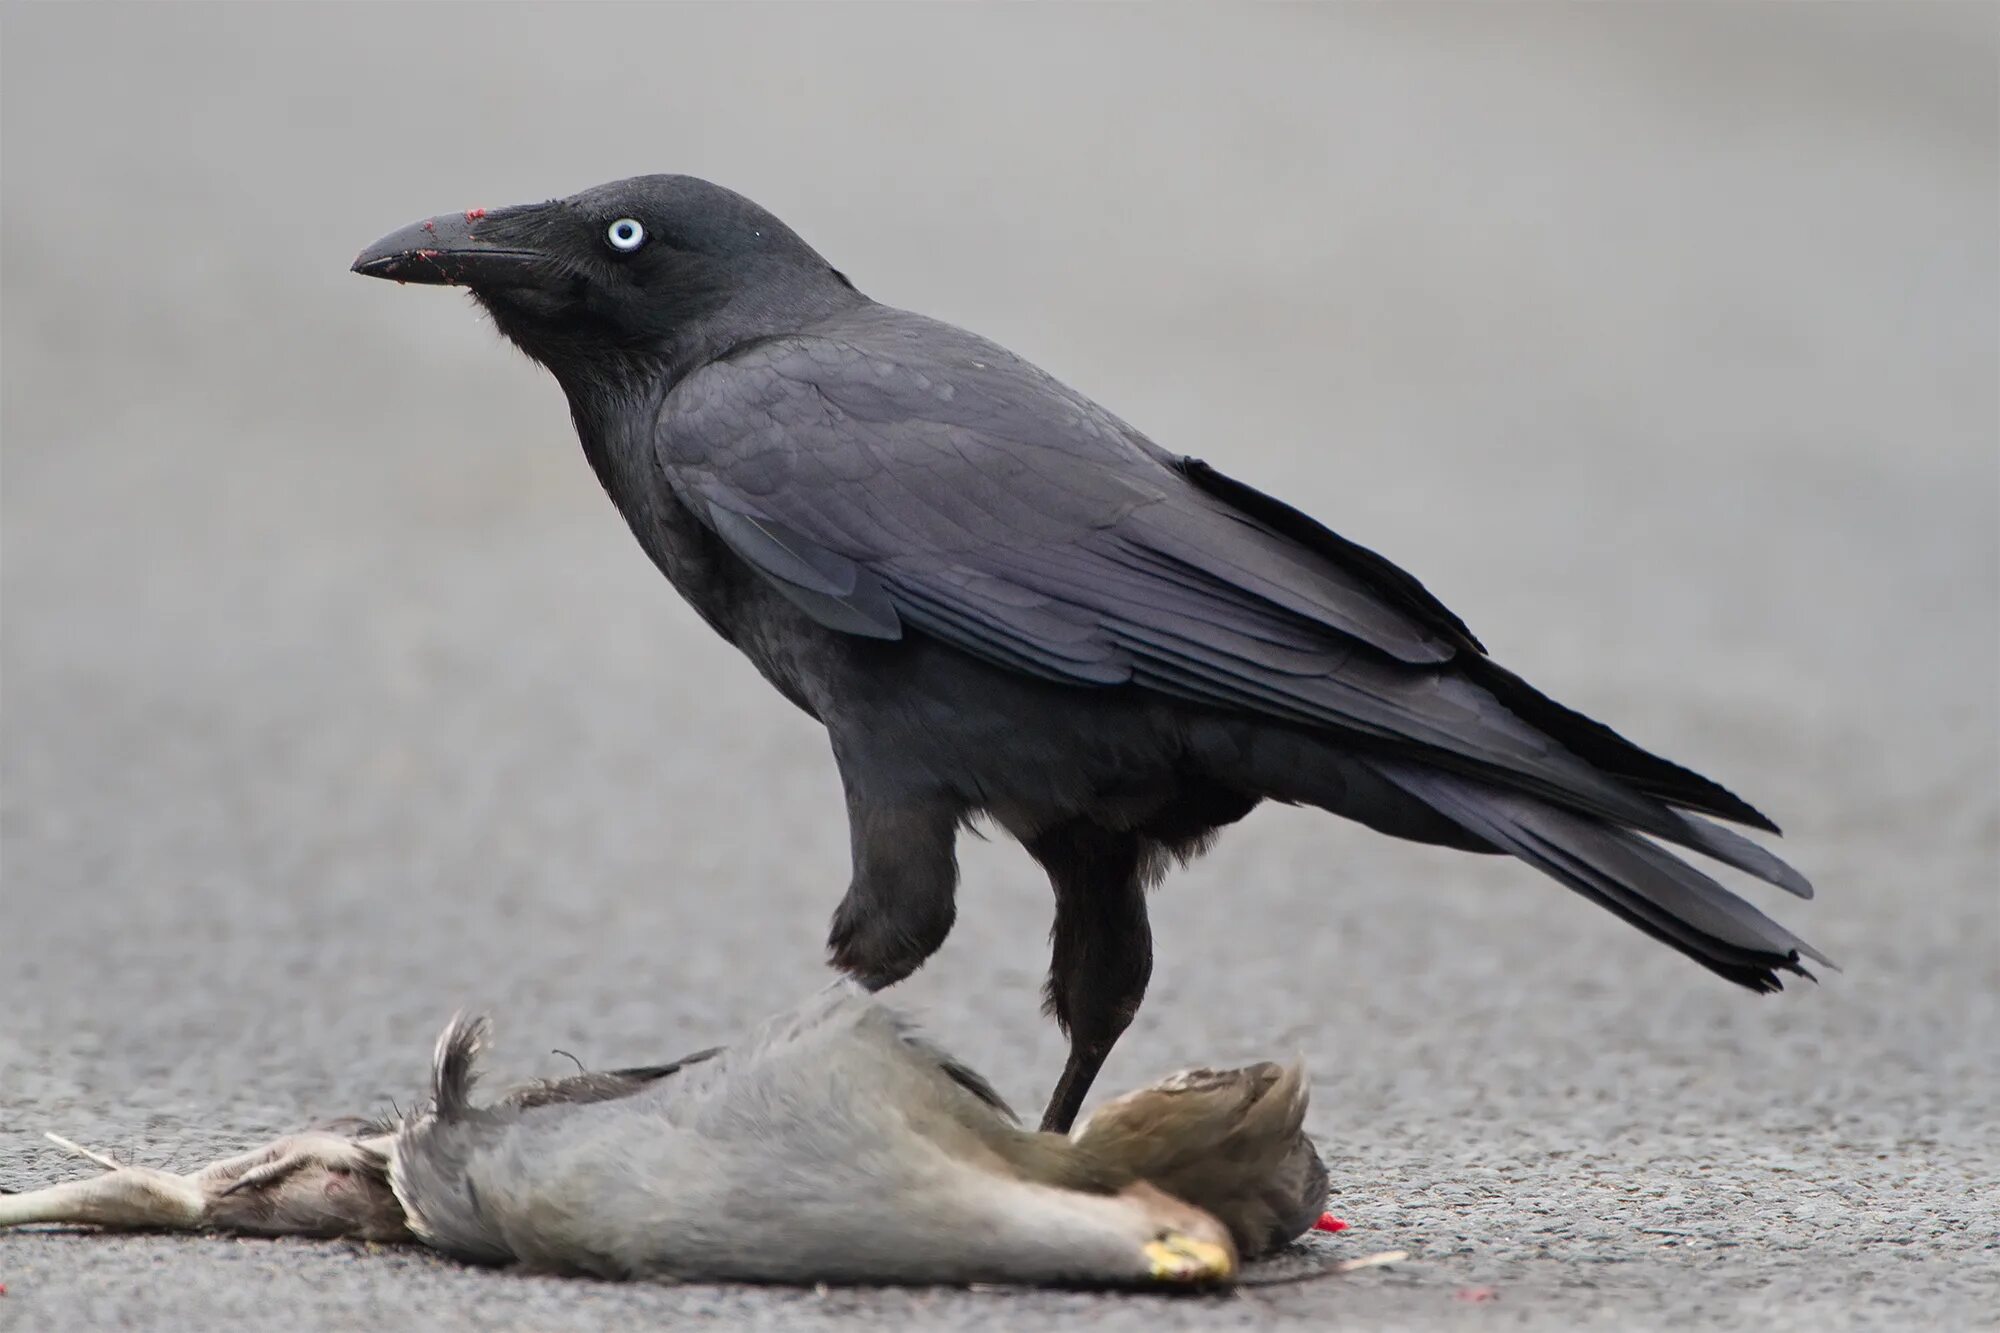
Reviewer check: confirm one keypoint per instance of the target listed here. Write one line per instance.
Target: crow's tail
(1622, 872)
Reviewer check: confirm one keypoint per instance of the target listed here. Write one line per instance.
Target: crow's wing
(895, 473)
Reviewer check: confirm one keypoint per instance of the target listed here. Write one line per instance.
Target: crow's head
(660, 270)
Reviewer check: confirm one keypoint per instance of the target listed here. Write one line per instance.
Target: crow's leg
(899, 905)
(1102, 954)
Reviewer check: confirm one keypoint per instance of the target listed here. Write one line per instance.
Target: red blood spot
(427, 254)
(1476, 1295)
(431, 226)
(1328, 1222)
(474, 214)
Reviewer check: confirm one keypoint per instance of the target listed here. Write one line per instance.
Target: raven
(1004, 602)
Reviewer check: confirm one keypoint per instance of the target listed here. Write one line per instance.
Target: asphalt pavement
(1661, 342)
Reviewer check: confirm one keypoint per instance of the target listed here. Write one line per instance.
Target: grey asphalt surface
(1660, 342)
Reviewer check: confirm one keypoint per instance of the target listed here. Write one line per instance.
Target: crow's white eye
(626, 234)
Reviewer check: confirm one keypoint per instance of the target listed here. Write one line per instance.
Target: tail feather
(1733, 849)
(429, 1167)
(1293, 765)
(455, 1065)
(1604, 749)
(1660, 894)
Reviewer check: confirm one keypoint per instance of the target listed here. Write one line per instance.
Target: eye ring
(625, 235)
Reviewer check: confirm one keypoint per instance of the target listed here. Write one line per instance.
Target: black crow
(1003, 601)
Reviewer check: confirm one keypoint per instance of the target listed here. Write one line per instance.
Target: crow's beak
(449, 250)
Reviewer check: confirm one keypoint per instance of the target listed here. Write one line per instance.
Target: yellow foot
(1178, 1257)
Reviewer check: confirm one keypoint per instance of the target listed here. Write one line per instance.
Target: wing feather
(936, 481)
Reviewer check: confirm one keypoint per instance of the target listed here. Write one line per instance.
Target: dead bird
(835, 1145)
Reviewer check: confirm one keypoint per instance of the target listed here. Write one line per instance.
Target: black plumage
(1003, 601)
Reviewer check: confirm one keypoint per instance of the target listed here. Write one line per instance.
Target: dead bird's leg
(127, 1197)
(318, 1183)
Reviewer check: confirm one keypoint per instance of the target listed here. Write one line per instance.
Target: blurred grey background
(1661, 342)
